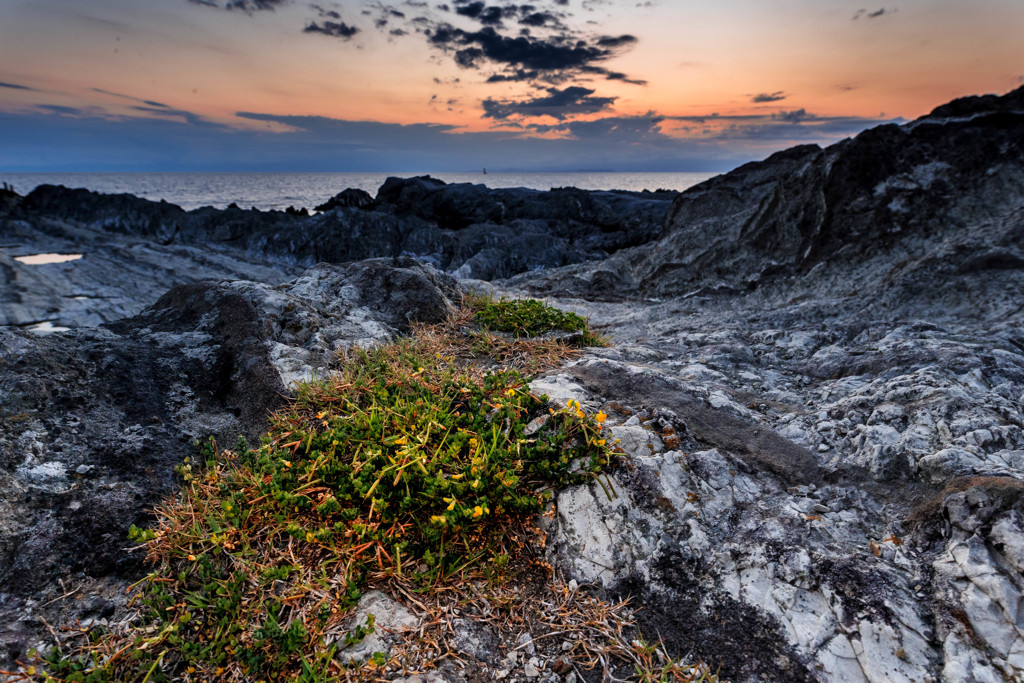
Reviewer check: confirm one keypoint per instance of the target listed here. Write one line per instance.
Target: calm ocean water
(281, 190)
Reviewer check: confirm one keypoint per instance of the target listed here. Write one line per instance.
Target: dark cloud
(795, 116)
(337, 29)
(15, 86)
(769, 97)
(247, 6)
(525, 57)
(874, 15)
(613, 42)
(540, 20)
(529, 43)
(558, 104)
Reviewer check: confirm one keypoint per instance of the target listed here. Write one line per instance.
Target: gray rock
(392, 621)
(93, 421)
(473, 639)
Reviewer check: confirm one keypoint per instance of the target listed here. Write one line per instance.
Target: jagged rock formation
(94, 421)
(135, 249)
(825, 477)
(902, 218)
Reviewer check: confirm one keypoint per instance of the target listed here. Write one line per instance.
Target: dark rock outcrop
(930, 214)
(359, 199)
(94, 421)
(470, 230)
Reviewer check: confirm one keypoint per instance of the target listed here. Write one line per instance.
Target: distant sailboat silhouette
(485, 170)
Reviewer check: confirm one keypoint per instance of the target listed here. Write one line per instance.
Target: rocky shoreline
(135, 249)
(817, 373)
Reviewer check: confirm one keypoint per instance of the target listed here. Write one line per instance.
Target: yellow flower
(440, 519)
(600, 418)
(287, 463)
(451, 504)
(511, 392)
(401, 441)
(476, 483)
(458, 476)
(477, 512)
(310, 538)
(579, 413)
(321, 414)
(600, 442)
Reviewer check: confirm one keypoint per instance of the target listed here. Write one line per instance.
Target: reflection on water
(43, 259)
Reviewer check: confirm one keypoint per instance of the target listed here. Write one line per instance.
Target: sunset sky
(657, 85)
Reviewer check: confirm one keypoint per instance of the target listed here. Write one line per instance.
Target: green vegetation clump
(525, 317)
(406, 466)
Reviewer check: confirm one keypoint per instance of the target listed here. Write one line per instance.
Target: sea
(267, 191)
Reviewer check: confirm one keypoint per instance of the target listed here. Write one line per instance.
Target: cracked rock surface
(93, 421)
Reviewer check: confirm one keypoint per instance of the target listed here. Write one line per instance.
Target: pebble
(823, 447)
(532, 668)
(527, 640)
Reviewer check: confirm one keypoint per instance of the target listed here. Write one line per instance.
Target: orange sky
(840, 61)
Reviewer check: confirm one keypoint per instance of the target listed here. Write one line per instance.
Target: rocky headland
(816, 375)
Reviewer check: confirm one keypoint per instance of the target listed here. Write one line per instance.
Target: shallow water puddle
(43, 259)
(47, 327)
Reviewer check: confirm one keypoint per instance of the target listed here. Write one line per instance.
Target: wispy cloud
(15, 86)
(875, 14)
(247, 6)
(150, 103)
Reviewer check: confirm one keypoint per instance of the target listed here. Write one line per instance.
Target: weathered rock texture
(824, 415)
(94, 421)
(817, 382)
(928, 215)
(135, 249)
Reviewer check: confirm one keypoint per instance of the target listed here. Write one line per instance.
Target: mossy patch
(525, 317)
